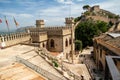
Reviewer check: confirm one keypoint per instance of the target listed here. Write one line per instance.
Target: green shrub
(55, 63)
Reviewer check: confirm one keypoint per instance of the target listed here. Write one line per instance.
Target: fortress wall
(13, 39)
(66, 31)
(99, 18)
(34, 36)
(38, 36)
(58, 44)
(43, 37)
(36, 33)
(56, 27)
(52, 30)
(49, 28)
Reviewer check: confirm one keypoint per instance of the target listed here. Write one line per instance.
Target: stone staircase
(37, 63)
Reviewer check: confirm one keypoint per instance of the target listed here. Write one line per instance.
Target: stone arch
(52, 43)
(66, 43)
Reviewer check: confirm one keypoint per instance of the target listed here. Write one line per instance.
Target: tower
(40, 23)
(69, 21)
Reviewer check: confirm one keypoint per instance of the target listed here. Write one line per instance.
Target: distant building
(95, 8)
(96, 13)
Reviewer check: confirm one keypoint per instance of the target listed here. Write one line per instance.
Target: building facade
(106, 45)
(54, 39)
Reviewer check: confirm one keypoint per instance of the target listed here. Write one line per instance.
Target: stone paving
(18, 71)
(10, 70)
(86, 58)
(79, 70)
(9, 54)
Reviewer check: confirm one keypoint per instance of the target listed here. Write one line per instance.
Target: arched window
(52, 43)
(66, 43)
(43, 45)
(70, 41)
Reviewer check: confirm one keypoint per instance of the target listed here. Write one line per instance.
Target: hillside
(23, 29)
(96, 13)
(93, 22)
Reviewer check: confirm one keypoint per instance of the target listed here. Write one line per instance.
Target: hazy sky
(52, 11)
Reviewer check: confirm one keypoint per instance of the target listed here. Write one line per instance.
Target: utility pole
(72, 32)
(72, 41)
(70, 9)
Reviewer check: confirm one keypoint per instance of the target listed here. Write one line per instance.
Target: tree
(78, 45)
(87, 13)
(86, 30)
(117, 17)
(103, 26)
(111, 23)
(77, 19)
(86, 7)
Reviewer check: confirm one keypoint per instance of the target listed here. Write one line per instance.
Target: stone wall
(67, 45)
(102, 18)
(66, 32)
(47, 28)
(12, 39)
(55, 44)
(38, 36)
(105, 19)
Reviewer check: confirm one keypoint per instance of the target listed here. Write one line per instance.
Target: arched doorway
(52, 43)
(66, 43)
(70, 41)
(43, 45)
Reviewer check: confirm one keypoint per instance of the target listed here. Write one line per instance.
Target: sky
(53, 12)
